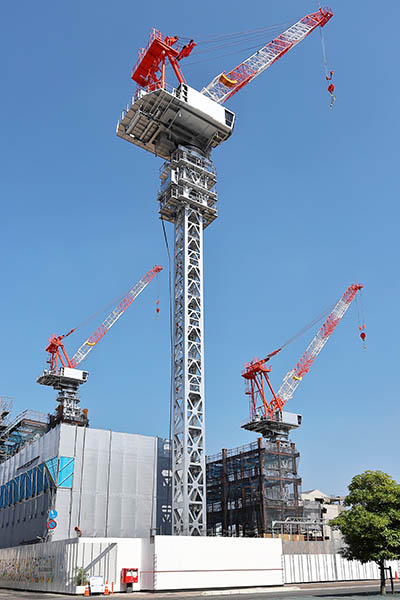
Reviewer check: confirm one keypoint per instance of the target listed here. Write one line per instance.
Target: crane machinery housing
(183, 126)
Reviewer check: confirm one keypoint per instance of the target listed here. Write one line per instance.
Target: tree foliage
(371, 525)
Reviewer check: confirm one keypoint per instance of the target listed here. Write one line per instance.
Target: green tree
(371, 525)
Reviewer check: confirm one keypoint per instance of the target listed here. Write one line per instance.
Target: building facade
(99, 483)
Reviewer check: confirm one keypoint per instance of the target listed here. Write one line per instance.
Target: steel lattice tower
(182, 126)
(188, 199)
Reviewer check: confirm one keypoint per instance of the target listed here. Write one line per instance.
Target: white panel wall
(171, 563)
(191, 562)
(306, 568)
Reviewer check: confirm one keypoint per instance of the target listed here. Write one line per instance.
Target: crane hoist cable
(328, 73)
(361, 319)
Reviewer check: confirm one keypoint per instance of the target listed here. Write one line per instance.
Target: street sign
(53, 514)
(52, 524)
(96, 585)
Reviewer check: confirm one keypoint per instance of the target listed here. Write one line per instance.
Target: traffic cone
(87, 593)
(106, 592)
(395, 575)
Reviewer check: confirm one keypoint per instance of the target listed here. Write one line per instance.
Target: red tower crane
(67, 378)
(266, 413)
(183, 125)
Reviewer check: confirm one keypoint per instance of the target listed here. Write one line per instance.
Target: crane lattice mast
(263, 412)
(182, 126)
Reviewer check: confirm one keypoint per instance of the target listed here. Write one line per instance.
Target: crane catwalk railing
(226, 85)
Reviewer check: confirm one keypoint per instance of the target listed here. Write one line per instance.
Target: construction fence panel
(308, 568)
(63, 566)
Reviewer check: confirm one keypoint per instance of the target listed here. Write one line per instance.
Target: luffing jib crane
(182, 126)
(266, 415)
(63, 375)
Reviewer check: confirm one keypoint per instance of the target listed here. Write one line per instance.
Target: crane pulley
(256, 372)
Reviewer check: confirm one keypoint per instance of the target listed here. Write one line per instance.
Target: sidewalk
(369, 585)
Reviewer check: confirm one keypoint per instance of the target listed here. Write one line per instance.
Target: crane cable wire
(171, 395)
(246, 32)
(98, 312)
(324, 52)
(307, 327)
(231, 40)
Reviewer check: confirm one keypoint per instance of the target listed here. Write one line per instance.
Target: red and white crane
(225, 85)
(182, 126)
(266, 414)
(63, 375)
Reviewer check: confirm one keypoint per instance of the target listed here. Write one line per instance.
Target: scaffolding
(250, 487)
(27, 426)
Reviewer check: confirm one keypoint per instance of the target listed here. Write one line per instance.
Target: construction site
(79, 503)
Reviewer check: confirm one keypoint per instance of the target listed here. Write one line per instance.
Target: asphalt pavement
(306, 591)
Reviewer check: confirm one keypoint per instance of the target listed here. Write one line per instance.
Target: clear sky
(308, 204)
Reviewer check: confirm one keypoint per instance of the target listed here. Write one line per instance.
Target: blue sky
(308, 204)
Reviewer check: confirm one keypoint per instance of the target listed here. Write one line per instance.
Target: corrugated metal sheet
(307, 568)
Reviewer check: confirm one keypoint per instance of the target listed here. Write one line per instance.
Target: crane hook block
(331, 88)
(329, 77)
(230, 83)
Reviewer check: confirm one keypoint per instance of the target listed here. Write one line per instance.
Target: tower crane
(182, 125)
(63, 375)
(266, 416)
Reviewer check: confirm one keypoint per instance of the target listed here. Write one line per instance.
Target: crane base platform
(58, 378)
(274, 429)
(161, 120)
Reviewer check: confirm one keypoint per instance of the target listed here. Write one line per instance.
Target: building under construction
(96, 483)
(251, 487)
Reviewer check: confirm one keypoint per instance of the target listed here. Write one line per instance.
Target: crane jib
(112, 318)
(255, 373)
(225, 85)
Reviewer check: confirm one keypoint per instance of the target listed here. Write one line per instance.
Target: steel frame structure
(251, 486)
(182, 126)
(188, 199)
